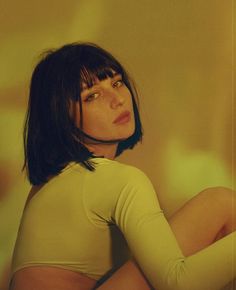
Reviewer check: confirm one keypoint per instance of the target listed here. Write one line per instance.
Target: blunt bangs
(89, 77)
(96, 64)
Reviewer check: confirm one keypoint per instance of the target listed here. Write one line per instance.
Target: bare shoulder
(50, 278)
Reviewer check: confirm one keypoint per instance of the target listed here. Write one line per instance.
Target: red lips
(123, 117)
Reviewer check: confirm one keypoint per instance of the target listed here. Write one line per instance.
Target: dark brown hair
(50, 135)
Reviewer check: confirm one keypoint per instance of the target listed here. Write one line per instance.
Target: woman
(89, 217)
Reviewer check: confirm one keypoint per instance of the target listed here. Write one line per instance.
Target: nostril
(117, 100)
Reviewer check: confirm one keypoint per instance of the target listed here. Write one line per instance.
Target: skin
(200, 222)
(102, 104)
(196, 225)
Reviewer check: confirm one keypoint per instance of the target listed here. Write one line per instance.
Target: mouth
(122, 118)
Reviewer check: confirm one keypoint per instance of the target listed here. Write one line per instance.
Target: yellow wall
(180, 55)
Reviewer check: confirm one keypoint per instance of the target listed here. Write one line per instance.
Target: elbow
(177, 277)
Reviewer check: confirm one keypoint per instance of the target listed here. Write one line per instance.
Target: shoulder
(113, 168)
(115, 186)
(115, 174)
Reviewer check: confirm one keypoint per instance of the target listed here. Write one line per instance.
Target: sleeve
(138, 214)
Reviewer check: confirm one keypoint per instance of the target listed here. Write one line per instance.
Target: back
(59, 227)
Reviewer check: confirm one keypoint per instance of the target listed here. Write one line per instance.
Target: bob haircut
(51, 138)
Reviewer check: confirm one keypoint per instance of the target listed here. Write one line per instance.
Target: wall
(179, 53)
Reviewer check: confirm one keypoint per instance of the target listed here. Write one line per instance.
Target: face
(107, 109)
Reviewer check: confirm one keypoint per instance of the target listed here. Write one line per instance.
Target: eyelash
(120, 82)
(90, 96)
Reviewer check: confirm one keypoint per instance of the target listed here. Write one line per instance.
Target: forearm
(191, 217)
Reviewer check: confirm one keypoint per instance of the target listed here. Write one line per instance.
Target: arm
(137, 213)
(196, 225)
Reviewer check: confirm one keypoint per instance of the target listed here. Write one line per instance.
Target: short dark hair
(50, 135)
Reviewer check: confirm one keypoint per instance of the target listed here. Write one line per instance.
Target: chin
(122, 135)
(126, 136)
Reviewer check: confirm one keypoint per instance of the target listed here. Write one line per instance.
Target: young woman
(92, 222)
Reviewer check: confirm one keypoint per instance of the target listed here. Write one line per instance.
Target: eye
(118, 83)
(91, 97)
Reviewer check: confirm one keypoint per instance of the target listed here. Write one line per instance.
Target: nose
(116, 99)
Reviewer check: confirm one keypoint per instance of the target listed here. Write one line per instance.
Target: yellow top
(76, 219)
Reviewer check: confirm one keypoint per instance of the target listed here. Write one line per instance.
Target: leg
(207, 217)
(128, 276)
(49, 278)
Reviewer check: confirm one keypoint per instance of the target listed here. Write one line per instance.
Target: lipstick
(122, 118)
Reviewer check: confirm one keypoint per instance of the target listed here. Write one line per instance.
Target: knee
(223, 196)
(227, 202)
(219, 192)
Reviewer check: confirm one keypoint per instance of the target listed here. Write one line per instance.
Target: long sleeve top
(91, 222)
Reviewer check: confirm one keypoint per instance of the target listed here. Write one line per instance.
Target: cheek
(94, 120)
(89, 115)
(129, 98)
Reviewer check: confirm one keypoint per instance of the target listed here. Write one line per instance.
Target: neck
(105, 150)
